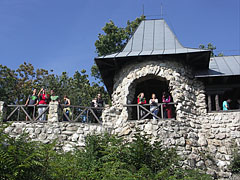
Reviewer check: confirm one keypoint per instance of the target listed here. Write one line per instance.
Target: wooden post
(217, 102)
(209, 103)
(138, 117)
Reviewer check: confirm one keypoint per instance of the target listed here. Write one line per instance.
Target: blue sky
(60, 34)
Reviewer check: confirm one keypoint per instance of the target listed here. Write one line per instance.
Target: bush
(105, 157)
(235, 163)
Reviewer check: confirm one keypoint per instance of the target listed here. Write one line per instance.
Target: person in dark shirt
(98, 102)
(141, 100)
(66, 108)
(32, 100)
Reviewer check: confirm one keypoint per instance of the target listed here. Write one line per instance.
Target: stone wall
(219, 136)
(186, 91)
(69, 135)
(203, 139)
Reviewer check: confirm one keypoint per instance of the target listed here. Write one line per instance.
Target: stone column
(1, 110)
(53, 112)
(217, 102)
(209, 103)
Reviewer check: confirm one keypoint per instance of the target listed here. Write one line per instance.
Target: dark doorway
(148, 85)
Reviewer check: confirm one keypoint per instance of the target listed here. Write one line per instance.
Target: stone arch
(185, 90)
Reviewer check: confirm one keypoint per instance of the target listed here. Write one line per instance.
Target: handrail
(83, 110)
(142, 107)
(21, 107)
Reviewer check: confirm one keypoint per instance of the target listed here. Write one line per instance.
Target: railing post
(162, 115)
(138, 117)
(209, 103)
(217, 102)
(1, 110)
(53, 112)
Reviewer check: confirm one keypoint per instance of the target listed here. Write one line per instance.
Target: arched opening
(148, 85)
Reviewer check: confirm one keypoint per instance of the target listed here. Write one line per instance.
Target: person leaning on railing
(32, 100)
(226, 103)
(43, 101)
(98, 103)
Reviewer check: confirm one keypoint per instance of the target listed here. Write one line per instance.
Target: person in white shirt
(154, 105)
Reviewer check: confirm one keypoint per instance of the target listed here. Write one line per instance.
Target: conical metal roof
(153, 38)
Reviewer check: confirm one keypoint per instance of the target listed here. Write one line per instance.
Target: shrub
(105, 157)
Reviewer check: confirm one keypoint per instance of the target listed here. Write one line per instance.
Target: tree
(8, 81)
(113, 40)
(17, 85)
(211, 47)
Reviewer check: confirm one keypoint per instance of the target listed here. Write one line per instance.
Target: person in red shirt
(43, 101)
(141, 100)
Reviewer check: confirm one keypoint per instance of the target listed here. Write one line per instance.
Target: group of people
(154, 108)
(42, 99)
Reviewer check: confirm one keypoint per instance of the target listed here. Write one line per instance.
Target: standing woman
(141, 100)
(167, 109)
(43, 101)
(154, 105)
(66, 109)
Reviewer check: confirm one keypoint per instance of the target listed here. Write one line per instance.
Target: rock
(72, 128)
(68, 132)
(125, 131)
(148, 127)
(75, 137)
(67, 148)
(42, 137)
(49, 130)
(221, 136)
(38, 130)
(80, 131)
(222, 149)
(202, 141)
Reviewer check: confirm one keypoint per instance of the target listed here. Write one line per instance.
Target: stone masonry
(203, 139)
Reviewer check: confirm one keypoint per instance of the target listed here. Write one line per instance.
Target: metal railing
(20, 112)
(142, 111)
(82, 114)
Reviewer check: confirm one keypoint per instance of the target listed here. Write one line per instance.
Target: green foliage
(17, 85)
(211, 47)
(235, 163)
(105, 157)
(113, 40)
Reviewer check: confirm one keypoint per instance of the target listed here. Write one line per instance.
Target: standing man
(98, 103)
(226, 104)
(43, 101)
(32, 101)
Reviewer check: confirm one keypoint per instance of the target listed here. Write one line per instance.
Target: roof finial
(161, 15)
(143, 9)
